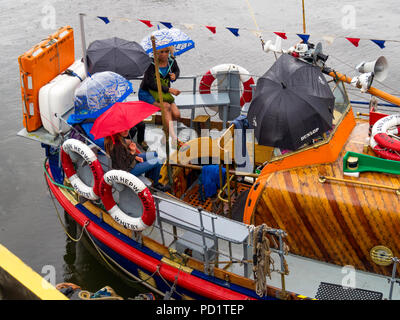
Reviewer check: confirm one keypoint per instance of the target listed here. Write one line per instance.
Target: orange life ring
(245, 78)
(137, 186)
(382, 144)
(78, 147)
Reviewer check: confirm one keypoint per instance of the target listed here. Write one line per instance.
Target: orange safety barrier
(40, 65)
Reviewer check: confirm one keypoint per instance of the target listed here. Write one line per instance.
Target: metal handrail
(232, 259)
(202, 232)
(188, 225)
(211, 249)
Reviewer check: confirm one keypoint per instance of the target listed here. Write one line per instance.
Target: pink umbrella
(120, 117)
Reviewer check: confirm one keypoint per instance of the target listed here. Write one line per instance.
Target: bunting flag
(167, 24)
(328, 39)
(235, 31)
(105, 19)
(281, 34)
(212, 29)
(189, 26)
(380, 43)
(256, 33)
(303, 37)
(354, 41)
(147, 23)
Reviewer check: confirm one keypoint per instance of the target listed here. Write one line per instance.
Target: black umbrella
(293, 104)
(124, 57)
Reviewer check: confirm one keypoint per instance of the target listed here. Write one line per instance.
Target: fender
(76, 146)
(137, 186)
(382, 144)
(383, 153)
(245, 78)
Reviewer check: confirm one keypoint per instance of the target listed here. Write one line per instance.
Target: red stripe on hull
(187, 281)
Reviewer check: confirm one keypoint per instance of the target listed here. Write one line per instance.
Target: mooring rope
(62, 224)
(106, 293)
(51, 179)
(261, 259)
(263, 264)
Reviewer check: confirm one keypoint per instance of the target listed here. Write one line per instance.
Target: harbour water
(29, 224)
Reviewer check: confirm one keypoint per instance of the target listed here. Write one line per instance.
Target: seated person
(124, 156)
(148, 92)
(82, 129)
(139, 130)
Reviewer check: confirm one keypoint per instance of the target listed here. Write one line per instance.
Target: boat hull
(329, 220)
(141, 262)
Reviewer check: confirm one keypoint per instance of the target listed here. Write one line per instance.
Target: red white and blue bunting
(235, 31)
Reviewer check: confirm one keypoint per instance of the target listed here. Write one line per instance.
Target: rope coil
(106, 293)
(263, 264)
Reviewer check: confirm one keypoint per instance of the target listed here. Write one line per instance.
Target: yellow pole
(375, 92)
(304, 18)
(156, 65)
(165, 125)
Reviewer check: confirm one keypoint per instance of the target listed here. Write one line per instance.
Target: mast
(83, 40)
(304, 18)
(165, 128)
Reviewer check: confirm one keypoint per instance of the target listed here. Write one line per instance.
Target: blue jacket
(210, 179)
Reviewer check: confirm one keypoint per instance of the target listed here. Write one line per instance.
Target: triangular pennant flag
(354, 41)
(125, 19)
(235, 31)
(167, 24)
(105, 19)
(328, 39)
(304, 37)
(380, 43)
(281, 34)
(212, 29)
(147, 23)
(256, 33)
(189, 26)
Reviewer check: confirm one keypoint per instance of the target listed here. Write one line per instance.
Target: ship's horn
(379, 67)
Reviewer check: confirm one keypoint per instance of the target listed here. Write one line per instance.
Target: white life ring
(245, 78)
(381, 142)
(76, 146)
(137, 186)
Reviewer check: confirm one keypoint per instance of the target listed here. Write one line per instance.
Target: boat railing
(227, 82)
(188, 77)
(220, 86)
(207, 227)
(186, 220)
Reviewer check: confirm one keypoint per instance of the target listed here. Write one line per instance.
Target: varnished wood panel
(334, 222)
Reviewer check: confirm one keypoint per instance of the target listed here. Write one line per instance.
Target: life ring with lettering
(245, 78)
(382, 144)
(137, 186)
(83, 150)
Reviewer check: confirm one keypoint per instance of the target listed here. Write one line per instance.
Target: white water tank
(57, 97)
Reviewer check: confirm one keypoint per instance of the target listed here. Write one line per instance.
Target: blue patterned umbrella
(98, 93)
(166, 38)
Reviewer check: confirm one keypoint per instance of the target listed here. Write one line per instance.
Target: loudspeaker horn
(379, 67)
